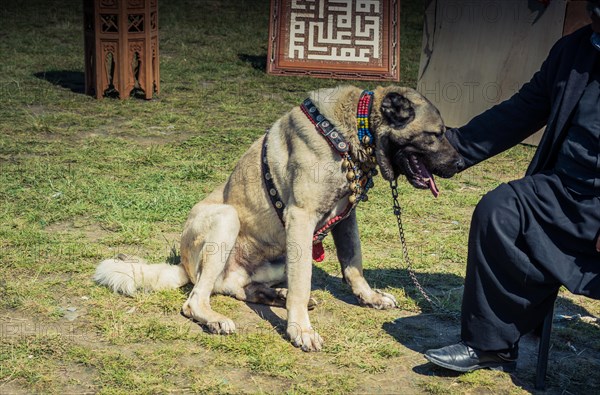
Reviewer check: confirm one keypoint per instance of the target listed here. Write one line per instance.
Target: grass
(83, 180)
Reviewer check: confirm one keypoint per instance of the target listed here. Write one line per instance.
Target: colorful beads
(321, 233)
(366, 138)
(362, 116)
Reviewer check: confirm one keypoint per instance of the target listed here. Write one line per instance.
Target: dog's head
(410, 138)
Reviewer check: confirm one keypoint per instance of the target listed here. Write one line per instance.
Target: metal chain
(435, 304)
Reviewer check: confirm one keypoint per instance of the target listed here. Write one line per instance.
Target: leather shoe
(462, 358)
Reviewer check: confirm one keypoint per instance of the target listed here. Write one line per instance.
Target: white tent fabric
(476, 54)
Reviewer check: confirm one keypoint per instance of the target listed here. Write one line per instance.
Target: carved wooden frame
(388, 69)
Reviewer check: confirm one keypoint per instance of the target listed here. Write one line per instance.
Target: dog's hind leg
(263, 294)
(207, 242)
(257, 288)
(347, 244)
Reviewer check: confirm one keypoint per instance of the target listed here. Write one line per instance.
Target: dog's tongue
(429, 180)
(432, 187)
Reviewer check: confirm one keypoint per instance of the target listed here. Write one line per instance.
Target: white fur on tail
(128, 274)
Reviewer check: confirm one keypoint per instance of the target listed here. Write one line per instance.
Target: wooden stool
(543, 350)
(121, 48)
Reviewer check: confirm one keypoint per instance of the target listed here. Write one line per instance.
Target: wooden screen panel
(346, 39)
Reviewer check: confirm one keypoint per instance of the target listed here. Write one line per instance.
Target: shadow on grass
(377, 278)
(575, 344)
(69, 79)
(569, 342)
(436, 284)
(266, 313)
(258, 62)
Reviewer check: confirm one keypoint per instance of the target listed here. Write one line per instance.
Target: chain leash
(435, 304)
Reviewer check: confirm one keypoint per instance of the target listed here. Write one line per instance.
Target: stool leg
(542, 362)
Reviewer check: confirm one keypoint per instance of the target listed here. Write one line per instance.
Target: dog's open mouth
(416, 172)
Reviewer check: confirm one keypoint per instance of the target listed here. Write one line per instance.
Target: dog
(295, 184)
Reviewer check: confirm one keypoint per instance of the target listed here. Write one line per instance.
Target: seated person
(531, 236)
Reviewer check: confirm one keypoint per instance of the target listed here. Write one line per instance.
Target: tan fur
(233, 242)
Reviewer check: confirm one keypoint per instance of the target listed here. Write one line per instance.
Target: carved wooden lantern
(121, 48)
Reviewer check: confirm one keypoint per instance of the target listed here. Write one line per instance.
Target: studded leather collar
(325, 127)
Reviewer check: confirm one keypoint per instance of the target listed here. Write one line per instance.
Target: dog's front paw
(306, 338)
(379, 300)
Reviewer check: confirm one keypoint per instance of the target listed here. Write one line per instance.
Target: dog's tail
(127, 274)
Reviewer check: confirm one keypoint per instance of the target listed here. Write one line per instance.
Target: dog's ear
(382, 153)
(397, 110)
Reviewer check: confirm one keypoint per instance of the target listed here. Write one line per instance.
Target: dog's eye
(436, 135)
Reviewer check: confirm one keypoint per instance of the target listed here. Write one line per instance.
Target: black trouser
(527, 239)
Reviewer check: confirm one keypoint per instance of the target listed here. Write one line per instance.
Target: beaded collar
(359, 174)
